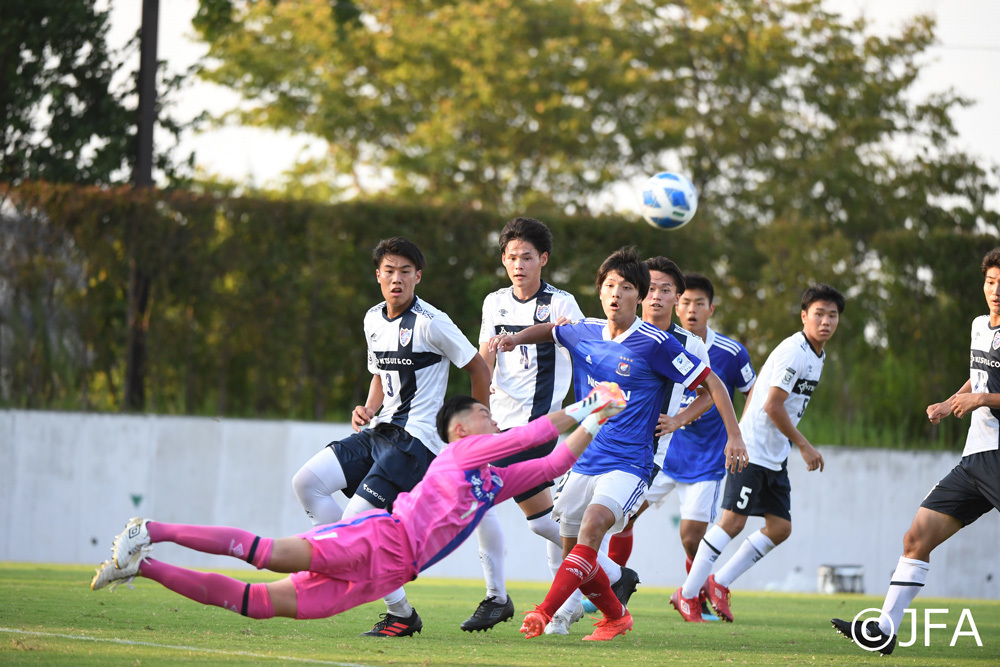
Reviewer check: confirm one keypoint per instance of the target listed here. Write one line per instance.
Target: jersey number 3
(389, 391)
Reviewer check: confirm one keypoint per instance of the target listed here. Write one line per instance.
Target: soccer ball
(669, 200)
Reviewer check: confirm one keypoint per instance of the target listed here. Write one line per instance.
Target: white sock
(356, 505)
(491, 555)
(611, 568)
(906, 582)
(711, 546)
(756, 546)
(574, 600)
(555, 554)
(397, 604)
(547, 527)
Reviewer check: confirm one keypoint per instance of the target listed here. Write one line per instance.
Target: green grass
(49, 616)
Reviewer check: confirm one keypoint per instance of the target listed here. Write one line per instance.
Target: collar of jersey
(385, 310)
(819, 355)
(530, 298)
(606, 332)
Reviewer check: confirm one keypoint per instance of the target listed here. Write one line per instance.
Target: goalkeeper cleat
(109, 574)
(391, 625)
(608, 629)
(129, 543)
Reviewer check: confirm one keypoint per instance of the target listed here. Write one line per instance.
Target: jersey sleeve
(785, 369)
(487, 328)
(567, 335)
(570, 309)
(477, 450)
(450, 341)
(700, 350)
(677, 364)
(744, 371)
(372, 366)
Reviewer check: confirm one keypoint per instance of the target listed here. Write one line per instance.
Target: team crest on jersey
(404, 336)
(624, 369)
(503, 312)
(542, 312)
(996, 340)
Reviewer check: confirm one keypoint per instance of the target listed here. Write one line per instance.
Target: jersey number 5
(744, 497)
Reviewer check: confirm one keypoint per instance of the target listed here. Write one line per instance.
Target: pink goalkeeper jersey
(459, 486)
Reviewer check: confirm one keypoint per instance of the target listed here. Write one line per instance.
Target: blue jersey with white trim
(697, 451)
(644, 361)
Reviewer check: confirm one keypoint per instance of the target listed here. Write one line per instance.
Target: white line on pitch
(130, 642)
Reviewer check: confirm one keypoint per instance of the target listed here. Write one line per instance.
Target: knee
(305, 484)
(780, 534)
(913, 544)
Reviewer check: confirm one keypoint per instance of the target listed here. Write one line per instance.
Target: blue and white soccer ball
(669, 200)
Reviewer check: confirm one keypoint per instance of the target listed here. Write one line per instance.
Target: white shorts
(699, 501)
(619, 491)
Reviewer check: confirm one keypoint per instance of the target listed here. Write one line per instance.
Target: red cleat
(718, 597)
(534, 623)
(689, 608)
(608, 629)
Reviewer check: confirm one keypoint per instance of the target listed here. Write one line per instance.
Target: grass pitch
(49, 616)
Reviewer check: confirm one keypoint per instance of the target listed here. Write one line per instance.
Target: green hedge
(256, 305)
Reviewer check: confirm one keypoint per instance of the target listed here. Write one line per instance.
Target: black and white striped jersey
(795, 367)
(533, 380)
(411, 355)
(984, 375)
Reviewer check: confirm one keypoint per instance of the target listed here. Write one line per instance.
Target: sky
(965, 59)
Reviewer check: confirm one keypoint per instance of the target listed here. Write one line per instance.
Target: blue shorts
(381, 462)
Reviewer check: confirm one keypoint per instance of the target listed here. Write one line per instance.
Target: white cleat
(110, 574)
(129, 543)
(559, 625)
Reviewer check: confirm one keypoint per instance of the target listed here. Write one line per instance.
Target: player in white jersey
(776, 404)
(525, 386)
(411, 345)
(970, 490)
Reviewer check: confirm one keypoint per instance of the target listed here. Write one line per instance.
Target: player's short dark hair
(700, 282)
(397, 245)
(527, 229)
(992, 260)
(669, 267)
(452, 407)
(823, 292)
(626, 263)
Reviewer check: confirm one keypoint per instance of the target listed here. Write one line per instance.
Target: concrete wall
(68, 483)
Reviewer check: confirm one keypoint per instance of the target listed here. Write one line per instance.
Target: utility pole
(139, 280)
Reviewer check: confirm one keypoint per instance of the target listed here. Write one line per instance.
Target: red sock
(687, 564)
(209, 588)
(577, 567)
(221, 540)
(598, 590)
(620, 547)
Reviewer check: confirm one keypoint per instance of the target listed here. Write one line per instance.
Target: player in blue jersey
(690, 460)
(603, 489)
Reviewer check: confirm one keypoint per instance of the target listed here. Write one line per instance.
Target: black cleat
(624, 587)
(488, 614)
(866, 634)
(395, 626)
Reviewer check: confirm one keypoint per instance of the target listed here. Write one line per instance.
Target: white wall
(68, 483)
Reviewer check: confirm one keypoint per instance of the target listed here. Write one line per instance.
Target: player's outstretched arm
(610, 399)
(938, 411)
(538, 333)
(737, 457)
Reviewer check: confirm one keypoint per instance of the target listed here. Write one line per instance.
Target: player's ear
(543, 259)
(419, 274)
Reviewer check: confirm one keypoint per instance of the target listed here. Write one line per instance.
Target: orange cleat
(534, 622)
(608, 629)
